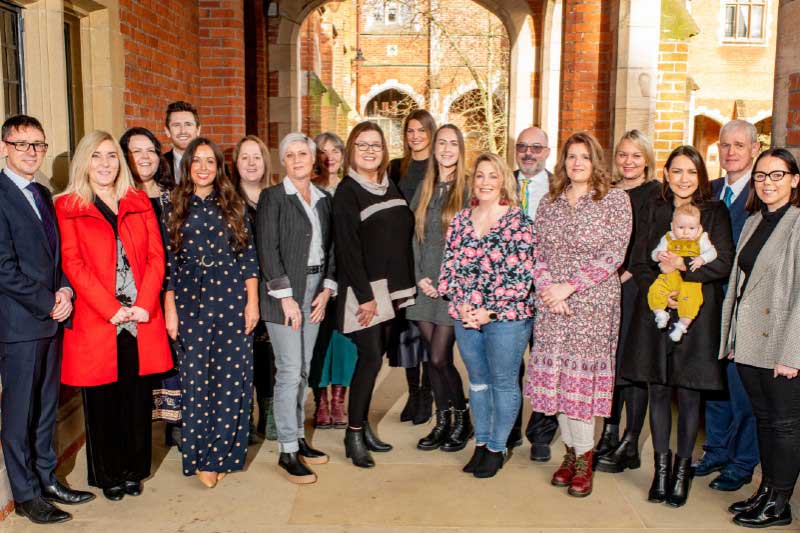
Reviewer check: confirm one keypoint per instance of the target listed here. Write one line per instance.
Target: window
(744, 20)
(11, 46)
(72, 51)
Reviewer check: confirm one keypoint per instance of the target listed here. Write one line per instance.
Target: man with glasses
(531, 152)
(731, 442)
(35, 299)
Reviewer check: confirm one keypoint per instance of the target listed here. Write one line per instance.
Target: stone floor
(409, 490)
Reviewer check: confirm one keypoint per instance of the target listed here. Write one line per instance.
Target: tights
(634, 398)
(448, 388)
(371, 344)
(661, 418)
(413, 375)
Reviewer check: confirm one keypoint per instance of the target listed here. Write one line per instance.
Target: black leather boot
(439, 433)
(309, 455)
(290, 465)
(374, 444)
(460, 432)
(409, 412)
(424, 409)
(490, 464)
(609, 440)
(774, 510)
(752, 501)
(355, 448)
(659, 489)
(625, 455)
(681, 481)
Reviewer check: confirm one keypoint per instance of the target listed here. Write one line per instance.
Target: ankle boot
(754, 500)
(310, 455)
(424, 409)
(490, 464)
(356, 449)
(774, 510)
(409, 412)
(609, 440)
(374, 444)
(581, 484)
(338, 416)
(681, 481)
(563, 476)
(460, 432)
(270, 430)
(475, 460)
(625, 455)
(263, 404)
(322, 414)
(290, 465)
(438, 434)
(659, 489)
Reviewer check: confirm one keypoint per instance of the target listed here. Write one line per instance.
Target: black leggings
(661, 418)
(446, 383)
(371, 344)
(634, 398)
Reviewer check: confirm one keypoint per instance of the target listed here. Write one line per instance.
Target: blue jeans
(731, 429)
(493, 355)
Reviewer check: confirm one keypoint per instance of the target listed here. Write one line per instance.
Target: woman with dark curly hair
(211, 308)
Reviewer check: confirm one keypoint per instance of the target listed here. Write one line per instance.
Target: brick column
(672, 106)
(786, 110)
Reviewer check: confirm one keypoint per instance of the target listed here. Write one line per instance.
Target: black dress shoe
(58, 493)
(115, 493)
(681, 481)
(609, 440)
(475, 460)
(374, 444)
(310, 455)
(133, 488)
(728, 482)
(707, 465)
(355, 448)
(774, 510)
(40, 511)
(438, 434)
(540, 452)
(659, 489)
(752, 501)
(290, 465)
(460, 432)
(624, 456)
(490, 464)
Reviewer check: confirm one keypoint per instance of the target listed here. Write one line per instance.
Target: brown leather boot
(322, 415)
(565, 473)
(338, 416)
(581, 484)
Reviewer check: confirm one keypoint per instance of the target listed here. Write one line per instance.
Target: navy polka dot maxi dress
(215, 357)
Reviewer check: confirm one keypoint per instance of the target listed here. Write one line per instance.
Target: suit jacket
(283, 242)
(761, 327)
(30, 273)
(737, 210)
(170, 157)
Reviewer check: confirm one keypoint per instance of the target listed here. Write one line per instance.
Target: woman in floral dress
(582, 230)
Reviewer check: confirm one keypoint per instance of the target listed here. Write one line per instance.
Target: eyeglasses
(22, 146)
(535, 148)
(363, 147)
(775, 175)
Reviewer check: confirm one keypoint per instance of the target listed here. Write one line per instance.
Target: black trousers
(30, 373)
(371, 344)
(118, 421)
(263, 363)
(776, 405)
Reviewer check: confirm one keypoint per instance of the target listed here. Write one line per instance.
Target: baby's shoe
(678, 329)
(662, 317)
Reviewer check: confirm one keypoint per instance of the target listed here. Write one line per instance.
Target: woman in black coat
(689, 366)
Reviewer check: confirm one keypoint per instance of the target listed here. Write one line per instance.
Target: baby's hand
(662, 256)
(696, 263)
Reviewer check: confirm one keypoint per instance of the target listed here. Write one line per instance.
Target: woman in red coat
(113, 256)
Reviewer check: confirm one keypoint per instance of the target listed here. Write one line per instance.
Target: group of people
(214, 298)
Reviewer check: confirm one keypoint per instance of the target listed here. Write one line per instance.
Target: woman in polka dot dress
(211, 308)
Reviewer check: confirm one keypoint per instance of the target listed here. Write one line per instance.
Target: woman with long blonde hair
(443, 193)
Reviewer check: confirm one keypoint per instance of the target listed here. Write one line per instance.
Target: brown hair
(455, 198)
(600, 180)
(754, 203)
(509, 192)
(428, 122)
(266, 179)
(180, 105)
(703, 192)
(360, 128)
(231, 204)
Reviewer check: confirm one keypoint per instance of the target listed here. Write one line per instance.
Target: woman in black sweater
(373, 227)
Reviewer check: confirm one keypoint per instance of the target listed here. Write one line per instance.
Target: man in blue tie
(35, 299)
(731, 446)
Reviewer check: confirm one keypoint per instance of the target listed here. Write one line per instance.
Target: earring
(503, 200)
(473, 202)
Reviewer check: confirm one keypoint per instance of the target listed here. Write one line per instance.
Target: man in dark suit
(532, 151)
(35, 298)
(731, 442)
(182, 126)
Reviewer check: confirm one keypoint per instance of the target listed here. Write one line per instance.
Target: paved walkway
(408, 490)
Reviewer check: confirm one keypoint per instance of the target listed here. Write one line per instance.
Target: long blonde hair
(455, 199)
(79, 168)
(509, 193)
(642, 143)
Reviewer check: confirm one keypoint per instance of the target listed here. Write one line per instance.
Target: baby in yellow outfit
(686, 239)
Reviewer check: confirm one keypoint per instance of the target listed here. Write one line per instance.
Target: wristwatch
(492, 315)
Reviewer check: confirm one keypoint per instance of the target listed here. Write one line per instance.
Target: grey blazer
(283, 241)
(762, 327)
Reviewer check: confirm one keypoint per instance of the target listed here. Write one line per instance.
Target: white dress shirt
(23, 183)
(737, 187)
(538, 187)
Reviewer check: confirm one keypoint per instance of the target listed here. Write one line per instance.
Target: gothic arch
(378, 88)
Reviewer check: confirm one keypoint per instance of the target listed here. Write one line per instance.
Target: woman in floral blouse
(486, 274)
(582, 229)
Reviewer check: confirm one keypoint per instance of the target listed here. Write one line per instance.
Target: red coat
(89, 252)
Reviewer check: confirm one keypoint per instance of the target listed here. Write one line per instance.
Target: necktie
(523, 192)
(47, 215)
(727, 198)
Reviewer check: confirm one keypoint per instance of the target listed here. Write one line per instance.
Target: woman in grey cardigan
(295, 250)
(760, 321)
